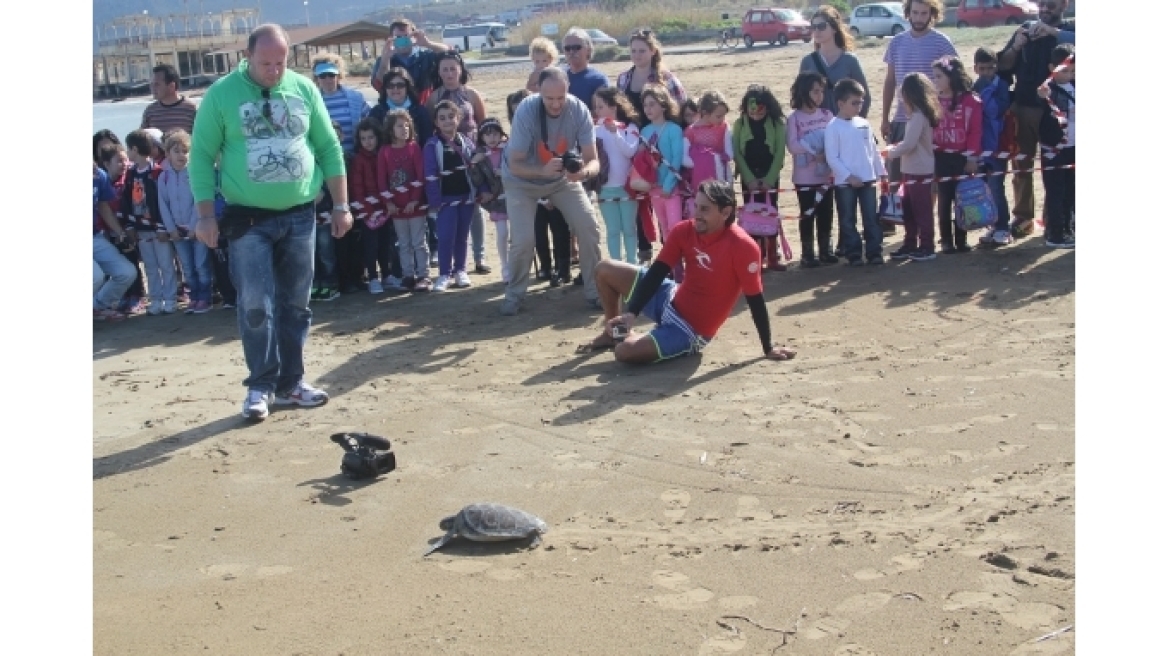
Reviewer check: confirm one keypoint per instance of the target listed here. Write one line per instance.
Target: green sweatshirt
(776, 139)
(269, 159)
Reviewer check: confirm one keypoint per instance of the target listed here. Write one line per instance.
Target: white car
(600, 38)
(880, 19)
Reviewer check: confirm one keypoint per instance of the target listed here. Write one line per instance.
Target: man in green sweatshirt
(270, 131)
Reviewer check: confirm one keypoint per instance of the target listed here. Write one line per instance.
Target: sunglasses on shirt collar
(267, 94)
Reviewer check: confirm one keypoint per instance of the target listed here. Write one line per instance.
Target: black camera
(366, 456)
(620, 331)
(572, 162)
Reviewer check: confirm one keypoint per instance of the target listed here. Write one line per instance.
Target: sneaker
(828, 258)
(303, 395)
(191, 307)
(423, 285)
(482, 268)
(922, 256)
(987, 237)
(441, 284)
(808, 262)
(199, 307)
(900, 254)
(555, 282)
(255, 406)
(578, 280)
(106, 314)
(228, 305)
(1066, 243)
(408, 283)
(375, 286)
(1002, 238)
(461, 280)
(392, 283)
(543, 275)
(1022, 229)
(878, 260)
(327, 294)
(509, 308)
(855, 261)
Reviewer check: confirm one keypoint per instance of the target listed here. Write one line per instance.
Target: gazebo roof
(323, 35)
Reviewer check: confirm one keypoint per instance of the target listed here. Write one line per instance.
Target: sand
(905, 486)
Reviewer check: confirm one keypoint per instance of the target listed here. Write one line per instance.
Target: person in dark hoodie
(399, 91)
(139, 205)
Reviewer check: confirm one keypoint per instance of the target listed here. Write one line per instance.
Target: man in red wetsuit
(721, 261)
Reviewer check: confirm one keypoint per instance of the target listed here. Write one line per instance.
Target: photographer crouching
(552, 150)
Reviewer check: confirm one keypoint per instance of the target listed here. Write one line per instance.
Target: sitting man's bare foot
(602, 342)
(779, 353)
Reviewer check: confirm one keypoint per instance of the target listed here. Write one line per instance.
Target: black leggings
(561, 242)
(379, 247)
(949, 164)
(818, 221)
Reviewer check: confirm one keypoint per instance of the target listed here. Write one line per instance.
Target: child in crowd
(488, 162)
(1059, 206)
(113, 159)
(857, 166)
(451, 198)
(177, 203)
(811, 176)
(139, 205)
(543, 54)
(325, 284)
(376, 228)
(996, 137)
(916, 167)
(399, 167)
(616, 132)
(690, 113)
(711, 144)
(662, 132)
(690, 116)
(760, 147)
(957, 139)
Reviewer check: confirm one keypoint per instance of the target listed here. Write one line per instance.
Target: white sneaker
(1003, 237)
(441, 284)
(391, 282)
(986, 237)
(375, 286)
(461, 279)
(255, 406)
(303, 395)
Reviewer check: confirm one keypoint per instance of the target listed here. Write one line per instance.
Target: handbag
(891, 205)
(761, 219)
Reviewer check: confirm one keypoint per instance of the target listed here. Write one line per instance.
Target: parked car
(774, 25)
(879, 19)
(988, 13)
(599, 38)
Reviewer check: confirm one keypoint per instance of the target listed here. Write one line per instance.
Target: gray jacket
(175, 199)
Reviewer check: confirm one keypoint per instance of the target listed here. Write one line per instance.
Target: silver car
(599, 38)
(879, 19)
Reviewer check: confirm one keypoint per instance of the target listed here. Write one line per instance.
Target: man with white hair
(583, 79)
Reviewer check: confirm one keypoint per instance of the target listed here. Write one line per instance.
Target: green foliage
(602, 54)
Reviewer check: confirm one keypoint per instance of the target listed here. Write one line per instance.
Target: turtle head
(447, 523)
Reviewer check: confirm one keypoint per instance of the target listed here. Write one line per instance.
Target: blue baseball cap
(325, 67)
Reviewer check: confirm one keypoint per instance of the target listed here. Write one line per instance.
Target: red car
(988, 13)
(774, 25)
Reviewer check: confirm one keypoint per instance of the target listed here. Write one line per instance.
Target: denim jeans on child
(198, 271)
(272, 266)
(110, 262)
(846, 199)
(326, 259)
(997, 181)
(158, 260)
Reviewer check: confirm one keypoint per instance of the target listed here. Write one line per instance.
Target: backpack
(975, 205)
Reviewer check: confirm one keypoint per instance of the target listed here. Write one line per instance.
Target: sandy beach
(905, 486)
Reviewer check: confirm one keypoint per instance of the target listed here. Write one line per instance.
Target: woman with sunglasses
(398, 91)
(449, 83)
(645, 53)
(345, 106)
(833, 58)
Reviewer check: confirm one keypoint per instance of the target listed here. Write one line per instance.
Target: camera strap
(543, 130)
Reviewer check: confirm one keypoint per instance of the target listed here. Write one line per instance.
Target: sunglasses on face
(573, 48)
(396, 85)
(327, 76)
(819, 27)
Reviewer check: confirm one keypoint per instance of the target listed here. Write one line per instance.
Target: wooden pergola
(308, 40)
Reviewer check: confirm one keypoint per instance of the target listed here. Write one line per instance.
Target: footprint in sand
(670, 580)
(677, 502)
(902, 563)
(688, 600)
(1034, 615)
(465, 566)
(722, 644)
(862, 604)
(826, 627)
(852, 649)
(748, 508)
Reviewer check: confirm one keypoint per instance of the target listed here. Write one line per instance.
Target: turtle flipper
(439, 544)
(535, 542)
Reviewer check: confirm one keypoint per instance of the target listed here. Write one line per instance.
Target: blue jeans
(195, 258)
(109, 261)
(326, 259)
(271, 267)
(846, 199)
(997, 185)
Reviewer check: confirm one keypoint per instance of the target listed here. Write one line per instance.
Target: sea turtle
(490, 522)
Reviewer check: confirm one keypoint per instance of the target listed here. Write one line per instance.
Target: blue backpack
(975, 205)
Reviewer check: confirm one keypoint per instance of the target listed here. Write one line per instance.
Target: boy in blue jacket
(994, 92)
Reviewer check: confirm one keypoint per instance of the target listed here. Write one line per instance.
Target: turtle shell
(490, 522)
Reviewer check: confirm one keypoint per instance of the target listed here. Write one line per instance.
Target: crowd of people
(184, 198)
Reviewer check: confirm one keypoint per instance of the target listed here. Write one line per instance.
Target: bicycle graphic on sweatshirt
(277, 148)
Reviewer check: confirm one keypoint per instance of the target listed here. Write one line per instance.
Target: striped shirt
(180, 115)
(338, 110)
(909, 54)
